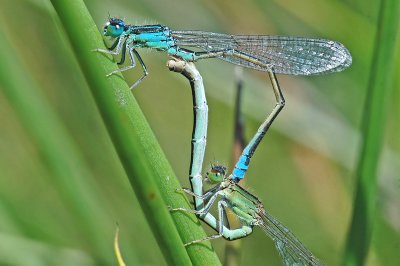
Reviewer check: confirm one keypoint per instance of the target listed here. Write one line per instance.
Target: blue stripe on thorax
(158, 37)
(151, 36)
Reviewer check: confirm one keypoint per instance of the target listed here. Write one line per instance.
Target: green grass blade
(55, 147)
(149, 172)
(381, 80)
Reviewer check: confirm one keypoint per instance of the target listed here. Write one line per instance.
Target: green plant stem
(381, 80)
(146, 166)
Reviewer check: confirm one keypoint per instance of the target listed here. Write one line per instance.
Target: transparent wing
(287, 55)
(291, 250)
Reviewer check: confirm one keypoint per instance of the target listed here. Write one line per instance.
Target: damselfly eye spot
(114, 27)
(216, 173)
(116, 21)
(218, 170)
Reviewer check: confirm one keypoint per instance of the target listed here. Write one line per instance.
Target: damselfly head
(216, 174)
(114, 27)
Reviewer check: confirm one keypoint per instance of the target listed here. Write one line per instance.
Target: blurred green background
(303, 171)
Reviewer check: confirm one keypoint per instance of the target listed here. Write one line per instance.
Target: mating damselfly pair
(283, 55)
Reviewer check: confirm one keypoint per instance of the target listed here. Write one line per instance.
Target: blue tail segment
(241, 166)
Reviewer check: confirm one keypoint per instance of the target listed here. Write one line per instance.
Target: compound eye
(114, 28)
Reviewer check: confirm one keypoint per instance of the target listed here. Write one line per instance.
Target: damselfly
(227, 193)
(282, 55)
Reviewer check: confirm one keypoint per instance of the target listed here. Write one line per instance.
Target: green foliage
(374, 119)
(63, 180)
